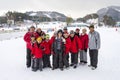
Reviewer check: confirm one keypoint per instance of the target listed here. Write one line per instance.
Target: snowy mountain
(49, 14)
(113, 11)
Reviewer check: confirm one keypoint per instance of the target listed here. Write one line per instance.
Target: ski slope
(12, 61)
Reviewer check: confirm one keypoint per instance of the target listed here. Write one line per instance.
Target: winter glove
(85, 50)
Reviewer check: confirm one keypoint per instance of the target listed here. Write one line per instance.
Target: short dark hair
(91, 26)
(32, 27)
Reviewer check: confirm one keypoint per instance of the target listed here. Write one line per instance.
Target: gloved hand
(33, 57)
(85, 50)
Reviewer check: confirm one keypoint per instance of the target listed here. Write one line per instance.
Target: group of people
(62, 46)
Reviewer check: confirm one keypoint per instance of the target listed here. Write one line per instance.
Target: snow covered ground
(12, 61)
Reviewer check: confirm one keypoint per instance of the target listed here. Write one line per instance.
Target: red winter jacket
(84, 39)
(27, 39)
(37, 51)
(47, 47)
(67, 45)
(52, 40)
(75, 45)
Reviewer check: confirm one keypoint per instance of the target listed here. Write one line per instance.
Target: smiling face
(72, 35)
(32, 29)
(66, 35)
(84, 31)
(38, 30)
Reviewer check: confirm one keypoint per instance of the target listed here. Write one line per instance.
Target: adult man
(29, 37)
(94, 46)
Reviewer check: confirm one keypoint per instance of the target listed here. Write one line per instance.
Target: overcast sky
(73, 8)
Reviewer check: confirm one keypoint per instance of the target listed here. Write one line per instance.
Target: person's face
(65, 30)
(72, 35)
(32, 29)
(55, 35)
(47, 38)
(91, 29)
(66, 35)
(84, 31)
(77, 31)
(39, 42)
(39, 30)
(59, 34)
(43, 36)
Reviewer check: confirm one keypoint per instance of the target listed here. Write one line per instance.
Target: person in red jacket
(83, 53)
(77, 32)
(67, 44)
(37, 51)
(28, 39)
(74, 49)
(47, 52)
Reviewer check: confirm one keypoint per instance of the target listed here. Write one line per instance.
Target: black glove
(85, 50)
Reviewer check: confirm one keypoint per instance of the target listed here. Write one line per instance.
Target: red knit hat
(77, 29)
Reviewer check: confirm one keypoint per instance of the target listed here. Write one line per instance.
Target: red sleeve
(27, 38)
(68, 43)
(80, 43)
(33, 49)
(52, 40)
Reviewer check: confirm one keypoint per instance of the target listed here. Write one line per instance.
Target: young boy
(58, 49)
(47, 52)
(37, 55)
(83, 53)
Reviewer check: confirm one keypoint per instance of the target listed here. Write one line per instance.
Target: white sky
(73, 8)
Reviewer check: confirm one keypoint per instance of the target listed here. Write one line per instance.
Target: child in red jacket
(67, 44)
(74, 49)
(37, 51)
(83, 53)
(47, 52)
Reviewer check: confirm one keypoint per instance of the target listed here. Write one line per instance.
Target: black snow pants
(58, 59)
(93, 57)
(46, 60)
(28, 58)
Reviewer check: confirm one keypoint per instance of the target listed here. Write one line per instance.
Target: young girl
(58, 49)
(37, 55)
